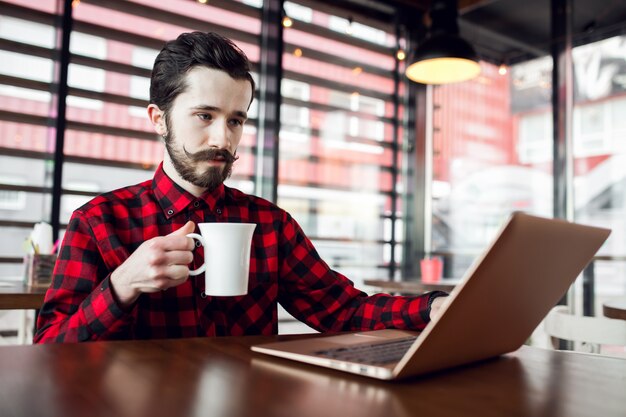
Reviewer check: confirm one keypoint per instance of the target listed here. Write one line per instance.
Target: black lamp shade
(442, 59)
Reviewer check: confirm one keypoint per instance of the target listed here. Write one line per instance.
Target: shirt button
(196, 204)
(198, 244)
(203, 294)
(170, 212)
(218, 211)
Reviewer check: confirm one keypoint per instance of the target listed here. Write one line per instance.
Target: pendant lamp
(444, 57)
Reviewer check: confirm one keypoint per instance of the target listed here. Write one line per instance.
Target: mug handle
(200, 270)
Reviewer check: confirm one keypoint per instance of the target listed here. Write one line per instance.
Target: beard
(186, 162)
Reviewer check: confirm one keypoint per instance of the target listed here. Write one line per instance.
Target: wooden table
(415, 286)
(615, 309)
(14, 295)
(222, 377)
(17, 296)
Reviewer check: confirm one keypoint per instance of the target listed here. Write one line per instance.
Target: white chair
(589, 332)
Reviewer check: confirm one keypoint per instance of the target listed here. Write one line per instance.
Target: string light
(287, 22)
(75, 3)
(203, 1)
(502, 70)
(357, 70)
(401, 55)
(297, 52)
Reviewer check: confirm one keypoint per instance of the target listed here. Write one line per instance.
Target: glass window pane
(600, 157)
(337, 157)
(24, 31)
(492, 155)
(107, 117)
(27, 133)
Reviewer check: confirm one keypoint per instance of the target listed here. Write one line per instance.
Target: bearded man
(123, 266)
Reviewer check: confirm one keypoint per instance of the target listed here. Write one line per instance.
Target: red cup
(432, 270)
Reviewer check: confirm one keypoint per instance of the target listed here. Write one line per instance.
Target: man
(123, 267)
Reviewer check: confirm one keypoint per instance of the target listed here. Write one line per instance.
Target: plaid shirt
(284, 268)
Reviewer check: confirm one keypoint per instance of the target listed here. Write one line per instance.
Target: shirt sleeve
(328, 301)
(80, 305)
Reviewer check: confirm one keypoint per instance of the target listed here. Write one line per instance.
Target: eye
(204, 116)
(236, 122)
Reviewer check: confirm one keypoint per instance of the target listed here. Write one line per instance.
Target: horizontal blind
(29, 56)
(109, 142)
(338, 163)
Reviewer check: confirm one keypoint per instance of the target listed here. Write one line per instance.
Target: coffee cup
(226, 257)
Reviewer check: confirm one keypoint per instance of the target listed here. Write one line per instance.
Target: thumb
(189, 227)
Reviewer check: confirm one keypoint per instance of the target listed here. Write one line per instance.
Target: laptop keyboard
(371, 354)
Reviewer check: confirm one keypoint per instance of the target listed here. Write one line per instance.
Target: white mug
(226, 257)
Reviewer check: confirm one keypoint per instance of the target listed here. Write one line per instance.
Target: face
(204, 128)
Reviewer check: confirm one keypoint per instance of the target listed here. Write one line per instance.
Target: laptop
(494, 309)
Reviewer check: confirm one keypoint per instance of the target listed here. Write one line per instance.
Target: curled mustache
(211, 154)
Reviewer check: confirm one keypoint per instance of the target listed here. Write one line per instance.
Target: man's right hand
(157, 264)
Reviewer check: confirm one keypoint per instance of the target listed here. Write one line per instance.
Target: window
(600, 156)
(13, 200)
(340, 169)
(338, 173)
(109, 141)
(27, 117)
(492, 155)
(118, 46)
(84, 77)
(364, 127)
(25, 66)
(493, 150)
(295, 118)
(140, 86)
(535, 138)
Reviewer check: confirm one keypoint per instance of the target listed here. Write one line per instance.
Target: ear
(157, 118)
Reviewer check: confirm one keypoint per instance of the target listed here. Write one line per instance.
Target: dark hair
(190, 50)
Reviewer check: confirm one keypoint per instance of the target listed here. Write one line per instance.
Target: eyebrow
(206, 107)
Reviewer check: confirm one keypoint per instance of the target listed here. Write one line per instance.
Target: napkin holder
(38, 269)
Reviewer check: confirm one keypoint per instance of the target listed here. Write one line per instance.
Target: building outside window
(492, 141)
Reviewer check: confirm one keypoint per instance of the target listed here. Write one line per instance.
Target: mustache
(211, 154)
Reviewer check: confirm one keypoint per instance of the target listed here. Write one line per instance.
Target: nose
(218, 135)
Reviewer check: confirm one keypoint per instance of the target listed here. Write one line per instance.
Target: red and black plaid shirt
(284, 268)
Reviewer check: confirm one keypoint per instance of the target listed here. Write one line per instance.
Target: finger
(177, 274)
(188, 227)
(148, 290)
(172, 242)
(178, 257)
(172, 276)
(179, 237)
(177, 240)
(165, 258)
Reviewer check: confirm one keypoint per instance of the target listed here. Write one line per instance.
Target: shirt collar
(173, 198)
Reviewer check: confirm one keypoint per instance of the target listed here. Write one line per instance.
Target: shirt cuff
(103, 312)
(431, 298)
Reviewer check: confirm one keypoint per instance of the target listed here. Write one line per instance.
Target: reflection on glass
(600, 156)
(491, 156)
(337, 167)
(492, 143)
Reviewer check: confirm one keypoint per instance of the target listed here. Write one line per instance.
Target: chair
(590, 332)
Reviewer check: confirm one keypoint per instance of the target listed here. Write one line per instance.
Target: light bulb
(287, 22)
